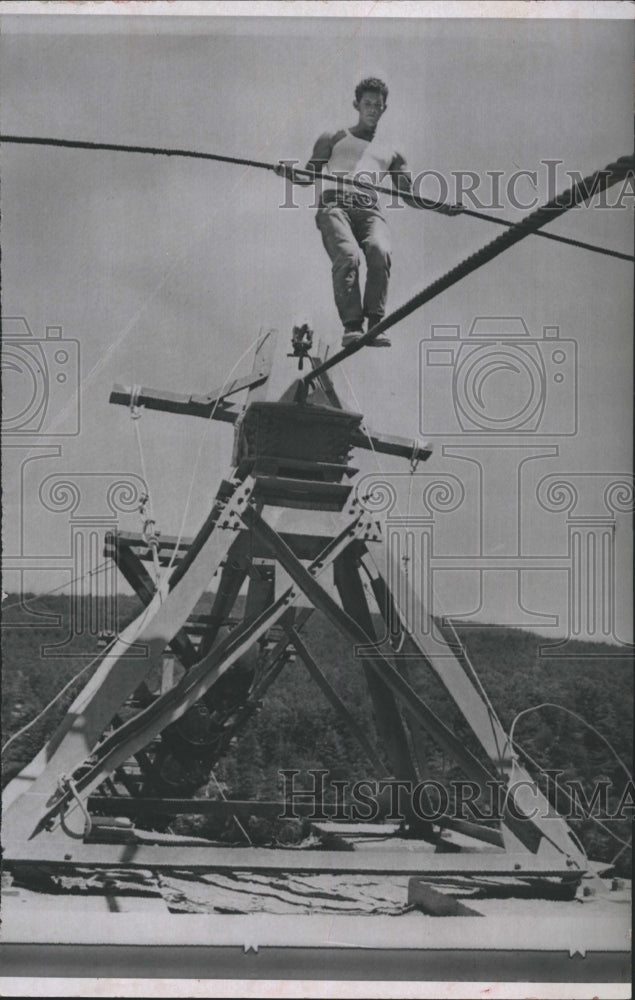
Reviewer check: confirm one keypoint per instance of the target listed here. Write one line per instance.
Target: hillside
(298, 728)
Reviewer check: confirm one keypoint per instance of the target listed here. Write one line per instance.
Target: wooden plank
(172, 402)
(304, 494)
(391, 444)
(232, 578)
(243, 808)
(62, 852)
(135, 573)
(274, 465)
(263, 360)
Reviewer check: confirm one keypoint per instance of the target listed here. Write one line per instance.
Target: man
(349, 219)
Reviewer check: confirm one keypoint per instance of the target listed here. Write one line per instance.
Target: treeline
(297, 727)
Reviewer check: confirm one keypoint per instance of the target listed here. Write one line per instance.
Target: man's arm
(321, 153)
(402, 182)
(319, 158)
(400, 175)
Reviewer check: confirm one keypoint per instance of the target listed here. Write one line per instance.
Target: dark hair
(374, 84)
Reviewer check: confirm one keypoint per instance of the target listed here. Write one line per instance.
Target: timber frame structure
(174, 736)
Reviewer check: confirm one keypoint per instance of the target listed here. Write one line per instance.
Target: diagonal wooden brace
(529, 832)
(138, 732)
(133, 655)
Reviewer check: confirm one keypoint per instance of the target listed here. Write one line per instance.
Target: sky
(162, 271)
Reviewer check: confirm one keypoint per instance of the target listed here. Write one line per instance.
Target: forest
(296, 727)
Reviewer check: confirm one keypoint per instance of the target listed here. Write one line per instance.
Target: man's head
(371, 96)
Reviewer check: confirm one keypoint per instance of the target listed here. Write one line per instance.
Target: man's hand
(284, 169)
(450, 209)
(412, 200)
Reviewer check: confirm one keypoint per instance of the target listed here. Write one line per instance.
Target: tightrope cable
(579, 192)
(304, 177)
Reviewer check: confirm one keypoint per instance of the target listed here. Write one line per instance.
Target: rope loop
(67, 786)
(415, 458)
(136, 411)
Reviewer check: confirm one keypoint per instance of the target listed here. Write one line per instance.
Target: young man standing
(349, 219)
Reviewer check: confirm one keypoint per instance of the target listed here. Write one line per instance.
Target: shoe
(381, 340)
(351, 337)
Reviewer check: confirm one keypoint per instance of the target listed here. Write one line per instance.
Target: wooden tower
(125, 749)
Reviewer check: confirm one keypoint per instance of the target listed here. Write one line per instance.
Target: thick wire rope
(304, 176)
(580, 718)
(579, 192)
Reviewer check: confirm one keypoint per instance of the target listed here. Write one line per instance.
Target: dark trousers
(345, 230)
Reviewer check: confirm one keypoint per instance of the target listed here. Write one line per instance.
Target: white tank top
(351, 154)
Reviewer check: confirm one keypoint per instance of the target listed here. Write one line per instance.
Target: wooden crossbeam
(109, 805)
(133, 570)
(63, 853)
(303, 546)
(391, 444)
(211, 406)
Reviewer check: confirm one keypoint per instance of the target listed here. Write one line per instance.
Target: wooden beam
(422, 646)
(329, 691)
(391, 444)
(62, 852)
(135, 574)
(263, 360)
(389, 722)
(302, 494)
(232, 578)
(172, 402)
